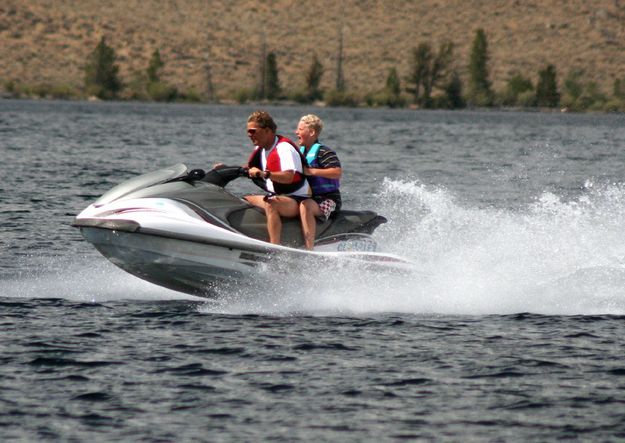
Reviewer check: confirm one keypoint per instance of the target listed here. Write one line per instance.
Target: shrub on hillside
(191, 95)
(244, 95)
(162, 92)
(527, 99)
(43, 90)
(340, 98)
(57, 91)
(481, 98)
(614, 104)
(391, 94)
(136, 87)
(516, 86)
(299, 96)
(17, 90)
(592, 98)
(579, 95)
(383, 98)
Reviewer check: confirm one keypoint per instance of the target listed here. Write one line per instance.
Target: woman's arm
(334, 173)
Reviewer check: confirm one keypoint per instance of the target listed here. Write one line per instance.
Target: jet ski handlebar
(220, 175)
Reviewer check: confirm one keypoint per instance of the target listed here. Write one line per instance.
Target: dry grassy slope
(43, 41)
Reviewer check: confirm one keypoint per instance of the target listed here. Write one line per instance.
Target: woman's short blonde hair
(313, 122)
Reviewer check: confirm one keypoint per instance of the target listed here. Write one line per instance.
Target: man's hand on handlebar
(254, 172)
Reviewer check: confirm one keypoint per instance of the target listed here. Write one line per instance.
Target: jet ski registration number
(356, 245)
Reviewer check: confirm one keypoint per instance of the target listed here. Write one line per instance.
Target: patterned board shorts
(327, 207)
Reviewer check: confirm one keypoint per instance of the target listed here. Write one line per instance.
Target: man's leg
(308, 210)
(276, 207)
(255, 200)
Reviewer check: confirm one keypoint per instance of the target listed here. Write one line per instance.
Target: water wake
(552, 257)
(90, 279)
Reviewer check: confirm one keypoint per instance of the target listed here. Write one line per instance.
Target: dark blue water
(510, 331)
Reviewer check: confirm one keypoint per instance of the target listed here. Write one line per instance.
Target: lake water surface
(511, 330)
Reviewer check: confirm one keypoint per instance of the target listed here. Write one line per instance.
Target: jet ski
(182, 229)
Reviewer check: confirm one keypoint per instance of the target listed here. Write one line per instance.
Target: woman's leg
(308, 210)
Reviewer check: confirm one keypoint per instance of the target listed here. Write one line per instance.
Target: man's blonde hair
(313, 122)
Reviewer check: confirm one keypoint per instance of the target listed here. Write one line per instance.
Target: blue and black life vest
(319, 185)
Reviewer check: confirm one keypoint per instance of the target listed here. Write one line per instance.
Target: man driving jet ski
(277, 160)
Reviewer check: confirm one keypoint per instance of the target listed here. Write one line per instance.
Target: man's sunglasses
(253, 131)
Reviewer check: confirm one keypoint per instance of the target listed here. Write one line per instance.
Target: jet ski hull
(182, 265)
(196, 267)
(180, 231)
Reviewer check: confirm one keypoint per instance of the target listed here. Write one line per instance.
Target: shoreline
(318, 105)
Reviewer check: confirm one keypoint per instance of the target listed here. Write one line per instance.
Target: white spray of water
(553, 257)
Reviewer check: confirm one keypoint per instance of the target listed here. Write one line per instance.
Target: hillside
(44, 44)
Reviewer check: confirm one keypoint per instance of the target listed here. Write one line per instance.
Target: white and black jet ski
(182, 230)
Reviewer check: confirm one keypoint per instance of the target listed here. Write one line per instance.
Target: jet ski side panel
(213, 202)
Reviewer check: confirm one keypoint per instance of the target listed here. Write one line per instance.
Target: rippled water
(510, 331)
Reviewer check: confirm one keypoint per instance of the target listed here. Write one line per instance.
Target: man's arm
(280, 177)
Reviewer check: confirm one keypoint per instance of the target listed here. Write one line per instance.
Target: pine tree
(154, 67)
(429, 71)
(453, 92)
(156, 88)
(617, 103)
(101, 72)
(273, 82)
(421, 61)
(393, 89)
(393, 86)
(261, 88)
(546, 89)
(438, 71)
(479, 86)
(211, 96)
(618, 88)
(313, 80)
(340, 79)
